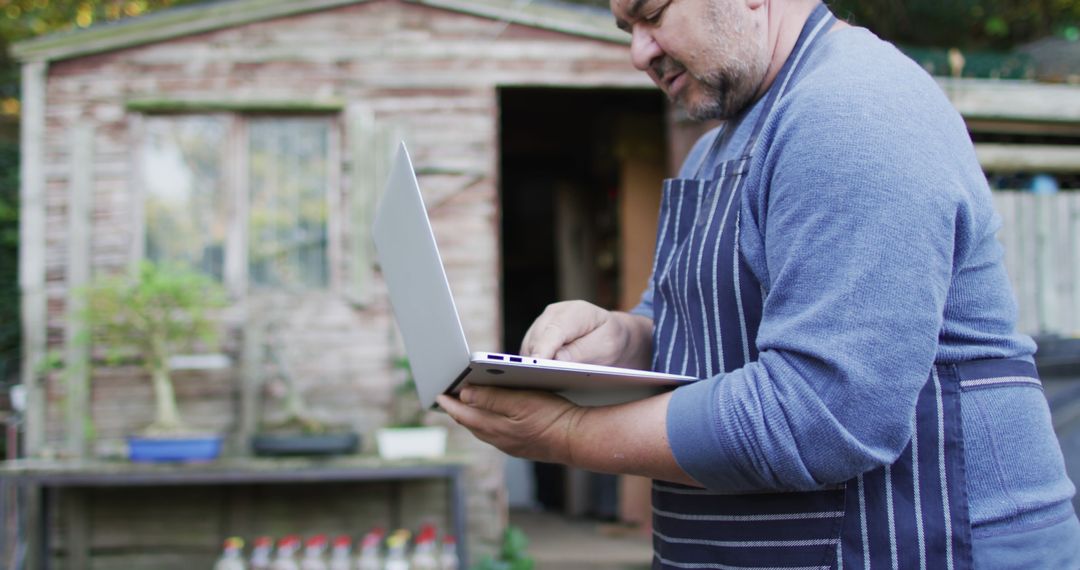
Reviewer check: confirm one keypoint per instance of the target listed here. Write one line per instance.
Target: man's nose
(643, 48)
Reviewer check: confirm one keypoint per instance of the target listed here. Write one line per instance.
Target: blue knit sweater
(869, 223)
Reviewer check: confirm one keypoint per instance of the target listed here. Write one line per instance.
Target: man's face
(708, 55)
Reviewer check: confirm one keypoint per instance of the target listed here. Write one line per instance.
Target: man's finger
(474, 418)
(499, 401)
(528, 343)
(548, 341)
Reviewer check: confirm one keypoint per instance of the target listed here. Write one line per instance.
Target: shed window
(250, 193)
(288, 174)
(185, 197)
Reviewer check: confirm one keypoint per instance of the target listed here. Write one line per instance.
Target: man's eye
(654, 18)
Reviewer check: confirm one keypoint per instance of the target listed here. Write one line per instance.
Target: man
(826, 264)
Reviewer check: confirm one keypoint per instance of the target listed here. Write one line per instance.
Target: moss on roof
(574, 19)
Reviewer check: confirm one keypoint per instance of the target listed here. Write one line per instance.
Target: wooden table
(48, 477)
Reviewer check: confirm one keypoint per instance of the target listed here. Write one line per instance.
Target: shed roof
(573, 19)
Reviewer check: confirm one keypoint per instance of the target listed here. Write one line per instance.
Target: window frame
(237, 188)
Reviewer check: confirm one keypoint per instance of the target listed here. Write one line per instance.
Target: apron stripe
(685, 285)
(662, 235)
(891, 516)
(677, 288)
(941, 466)
(738, 293)
(706, 325)
(716, 566)
(799, 55)
(667, 267)
(999, 381)
(721, 361)
(726, 285)
(862, 522)
(750, 518)
(671, 488)
(749, 543)
(921, 533)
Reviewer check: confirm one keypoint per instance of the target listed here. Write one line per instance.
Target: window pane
(181, 159)
(289, 182)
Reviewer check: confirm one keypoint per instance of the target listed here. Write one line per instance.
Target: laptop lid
(419, 291)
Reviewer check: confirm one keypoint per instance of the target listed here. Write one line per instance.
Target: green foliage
(10, 326)
(513, 555)
(163, 310)
(25, 19)
(965, 24)
(22, 19)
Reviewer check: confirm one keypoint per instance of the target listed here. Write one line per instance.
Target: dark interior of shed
(564, 163)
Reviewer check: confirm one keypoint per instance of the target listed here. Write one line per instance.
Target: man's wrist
(573, 434)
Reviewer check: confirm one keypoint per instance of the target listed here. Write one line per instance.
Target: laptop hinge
(449, 391)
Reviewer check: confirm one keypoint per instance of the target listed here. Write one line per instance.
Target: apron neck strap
(814, 29)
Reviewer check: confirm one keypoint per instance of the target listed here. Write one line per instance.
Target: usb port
(495, 356)
(515, 359)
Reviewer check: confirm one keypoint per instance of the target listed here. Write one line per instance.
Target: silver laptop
(434, 338)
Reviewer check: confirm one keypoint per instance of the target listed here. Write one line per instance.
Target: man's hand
(522, 423)
(578, 331)
(629, 438)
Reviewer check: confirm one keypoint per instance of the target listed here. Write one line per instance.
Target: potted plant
(299, 432)
(407, 436)
(162, 310)
(513, 555)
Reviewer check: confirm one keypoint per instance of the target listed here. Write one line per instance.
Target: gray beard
(723, 99)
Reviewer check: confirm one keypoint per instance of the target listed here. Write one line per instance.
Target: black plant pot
(292, 444)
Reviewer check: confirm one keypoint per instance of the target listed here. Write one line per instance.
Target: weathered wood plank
(171, 105)
(250, 384)
(1039, 235)
(76, 334)
(32, 257)
(237, 172)
(1014, 100)
(997, 157)
(1045, 268)
(360, 134)
(76, 531)
(335, 215)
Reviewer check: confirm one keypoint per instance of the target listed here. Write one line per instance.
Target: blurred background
(222, 159)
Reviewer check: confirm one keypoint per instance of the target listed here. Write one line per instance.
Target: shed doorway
(580, 178)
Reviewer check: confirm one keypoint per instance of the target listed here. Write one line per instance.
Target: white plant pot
(412, 442)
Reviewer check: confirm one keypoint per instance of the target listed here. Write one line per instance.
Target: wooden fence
(1041, 236)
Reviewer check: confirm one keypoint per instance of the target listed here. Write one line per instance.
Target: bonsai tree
(163, 309)
(297, 417)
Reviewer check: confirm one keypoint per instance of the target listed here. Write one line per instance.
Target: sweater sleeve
(857, 221)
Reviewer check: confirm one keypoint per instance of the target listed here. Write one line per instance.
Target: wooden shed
(249, 138)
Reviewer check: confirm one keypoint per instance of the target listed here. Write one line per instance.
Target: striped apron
(707, 307)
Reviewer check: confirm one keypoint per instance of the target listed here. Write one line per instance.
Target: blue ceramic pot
(165, 449)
